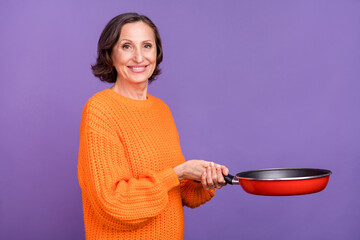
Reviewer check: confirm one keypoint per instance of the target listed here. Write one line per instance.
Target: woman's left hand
(213, 177)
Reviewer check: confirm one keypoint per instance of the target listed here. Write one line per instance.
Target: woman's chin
(135, 80)
(139, 81)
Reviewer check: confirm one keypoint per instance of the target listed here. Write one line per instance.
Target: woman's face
(134, 55)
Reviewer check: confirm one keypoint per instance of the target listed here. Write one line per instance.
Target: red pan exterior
(284, 187)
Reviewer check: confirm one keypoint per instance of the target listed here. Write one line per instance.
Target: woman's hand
(191, 170)
(213, 176)
(208, 173)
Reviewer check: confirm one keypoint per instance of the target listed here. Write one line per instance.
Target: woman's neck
(136, 91)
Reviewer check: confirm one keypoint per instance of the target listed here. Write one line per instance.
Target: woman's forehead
(137, 31)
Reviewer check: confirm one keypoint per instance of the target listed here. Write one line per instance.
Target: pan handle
(230, 179)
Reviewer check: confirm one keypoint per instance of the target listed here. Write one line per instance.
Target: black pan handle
(230, 179)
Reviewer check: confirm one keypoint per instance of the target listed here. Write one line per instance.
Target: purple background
(251, 84)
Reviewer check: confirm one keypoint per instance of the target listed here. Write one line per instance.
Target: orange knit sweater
(128, 149)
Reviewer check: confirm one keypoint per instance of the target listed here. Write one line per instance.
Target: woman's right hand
(208, 173)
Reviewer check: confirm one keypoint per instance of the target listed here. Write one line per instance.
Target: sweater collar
(129, 101)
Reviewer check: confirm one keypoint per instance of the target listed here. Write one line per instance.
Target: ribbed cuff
(169, 178)
(199, 187)
(212, 192)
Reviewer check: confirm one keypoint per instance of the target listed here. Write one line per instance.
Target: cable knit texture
(128, 149)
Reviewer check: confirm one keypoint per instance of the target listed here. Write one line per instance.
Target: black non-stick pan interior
(284, 174)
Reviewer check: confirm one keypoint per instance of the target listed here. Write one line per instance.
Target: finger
(214, 176)
(225, 170)
(220, 176)
(203, 180)
(209, 180)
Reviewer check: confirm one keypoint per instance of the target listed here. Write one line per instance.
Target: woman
(133, 176)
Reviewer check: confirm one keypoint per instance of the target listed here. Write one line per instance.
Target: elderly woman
(132, 173)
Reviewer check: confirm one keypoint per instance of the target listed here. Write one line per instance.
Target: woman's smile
(138, 69)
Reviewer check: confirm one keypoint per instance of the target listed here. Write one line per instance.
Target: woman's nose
(138, 56)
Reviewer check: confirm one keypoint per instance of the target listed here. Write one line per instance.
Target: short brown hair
(103, 68)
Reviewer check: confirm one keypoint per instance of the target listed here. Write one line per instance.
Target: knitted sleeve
(193, 194)
(119, 200)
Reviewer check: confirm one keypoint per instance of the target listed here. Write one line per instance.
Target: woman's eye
(147, 46)
(126, 46)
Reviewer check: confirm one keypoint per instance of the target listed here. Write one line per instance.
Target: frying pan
(281, 181)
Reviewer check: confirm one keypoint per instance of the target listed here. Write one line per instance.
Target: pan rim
(326, 174)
